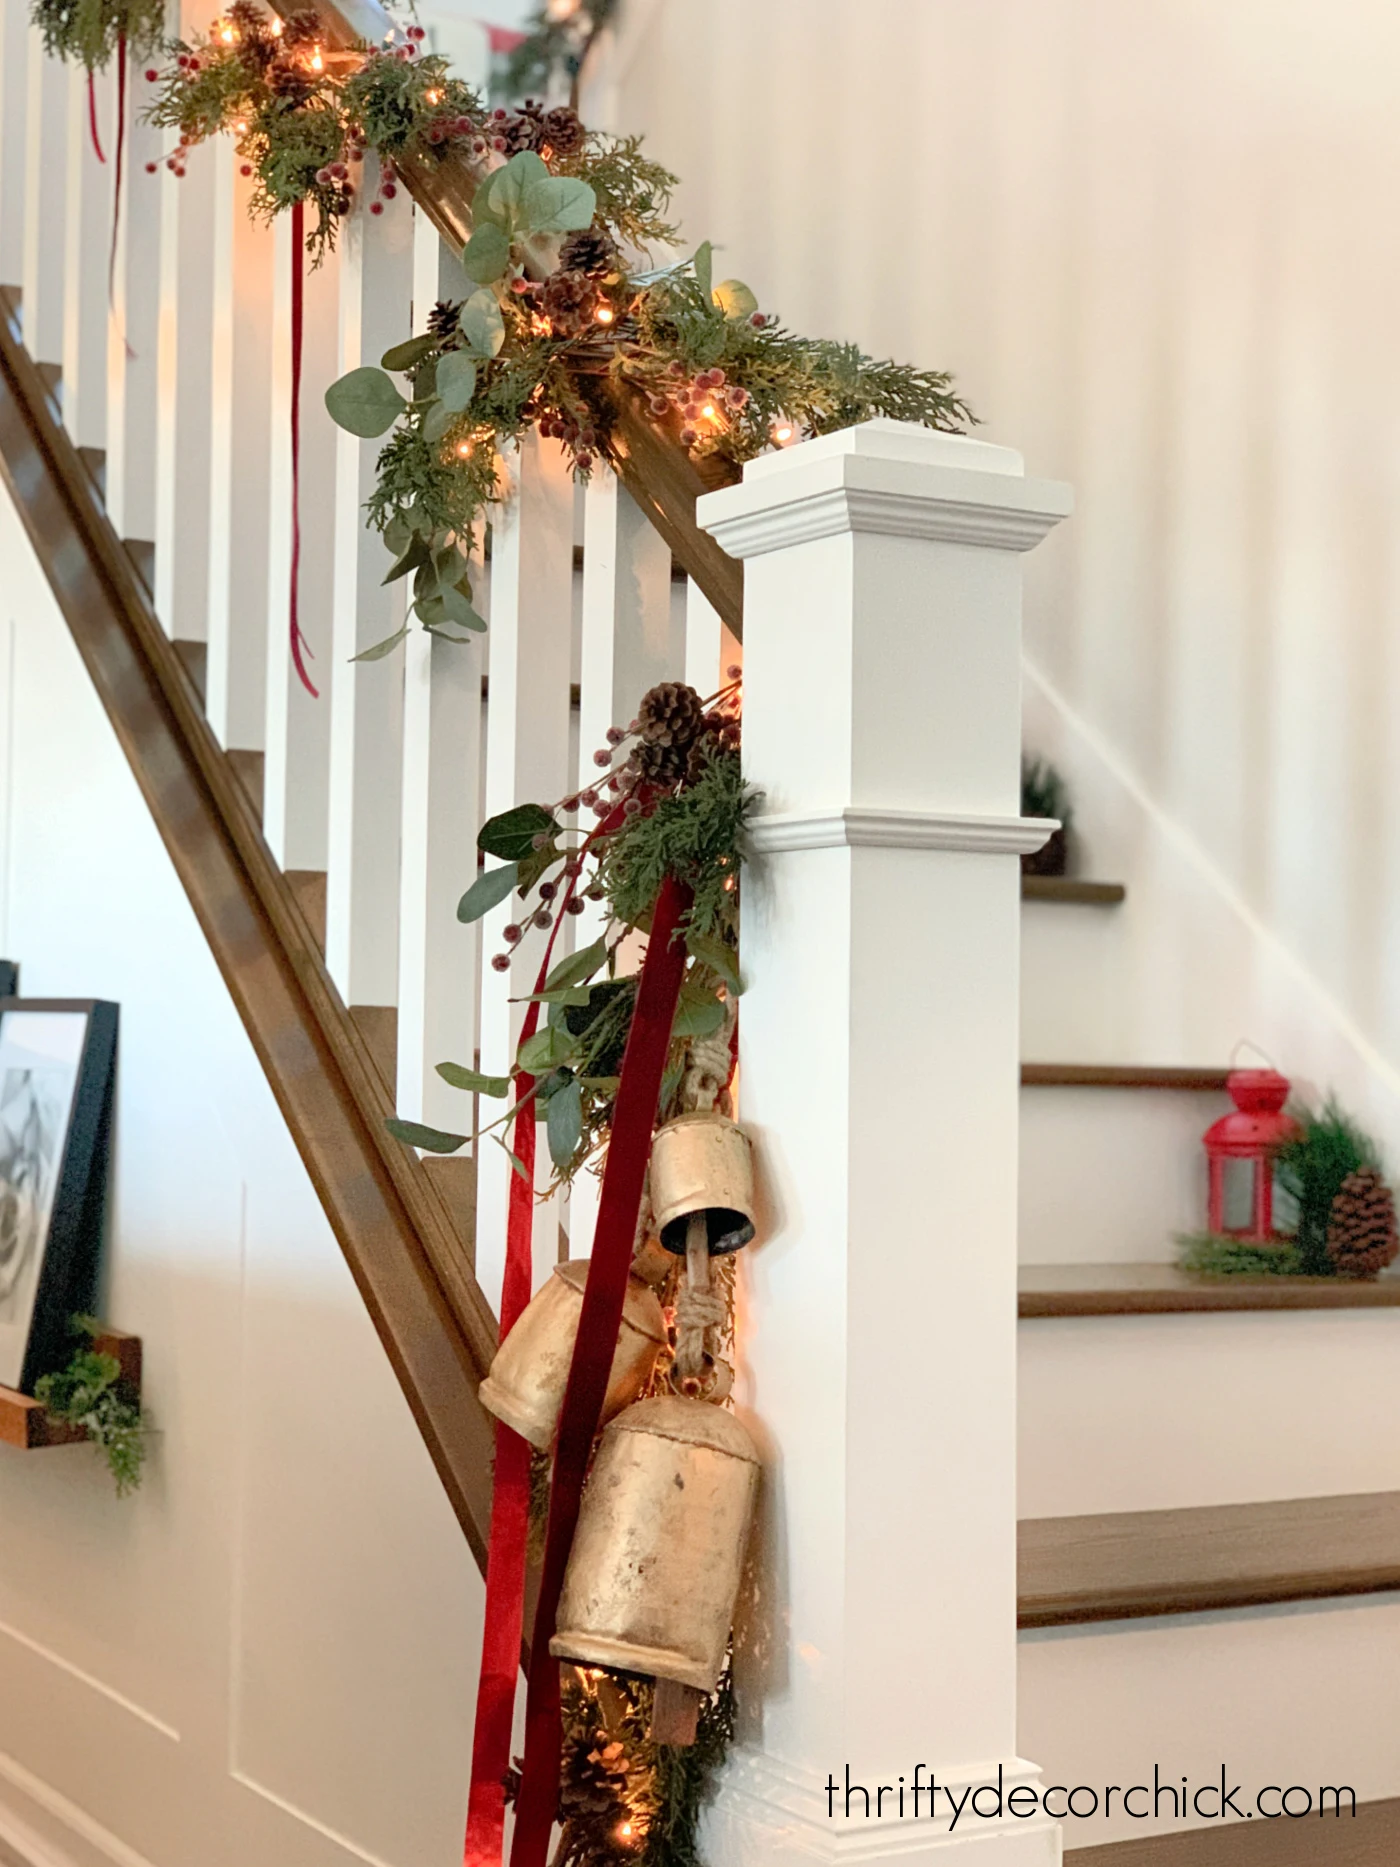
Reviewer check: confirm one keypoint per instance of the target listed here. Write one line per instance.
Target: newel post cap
(885, 476)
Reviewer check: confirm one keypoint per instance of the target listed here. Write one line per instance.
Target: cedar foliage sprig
(88, 32)
(696, 834)
(1311, 1171)
(86, 1394)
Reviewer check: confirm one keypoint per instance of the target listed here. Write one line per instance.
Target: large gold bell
(657, 1555)
(703, 1162)
(525, 1387)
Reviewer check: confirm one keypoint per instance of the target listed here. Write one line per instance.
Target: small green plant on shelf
(1344, 1223)
(1044, 793)
(87, 1394)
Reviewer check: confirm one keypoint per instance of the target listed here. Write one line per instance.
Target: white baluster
(14, 93)
(240, 449)
(526, 760)
(710, 649)
(133, 335)
(87, 249)
(367, 698)
(45, 199)
(297, 745)
(439, 958)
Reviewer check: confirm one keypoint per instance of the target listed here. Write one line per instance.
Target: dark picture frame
(57, 1077)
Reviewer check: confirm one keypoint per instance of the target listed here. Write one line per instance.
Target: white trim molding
(858, 827)
(773, 1813)
(889, 478)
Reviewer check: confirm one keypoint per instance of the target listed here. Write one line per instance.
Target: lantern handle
(1248, 1043)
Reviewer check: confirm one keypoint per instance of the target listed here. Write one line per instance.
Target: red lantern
(1252, 1133)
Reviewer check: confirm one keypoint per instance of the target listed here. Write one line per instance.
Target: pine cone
(290, 83)
(721, 735)
(658, 764)
(525, 130)
(567, 300)
(562, 131)
(303, 28)
(443, 318)
(1361, 1235)
(595, 1776)
(590, 250)
(671, 714)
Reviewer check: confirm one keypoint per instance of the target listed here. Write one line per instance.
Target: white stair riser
(1302, 1693)
(1108, 1176)
(1162, 1412)
(1074, 983)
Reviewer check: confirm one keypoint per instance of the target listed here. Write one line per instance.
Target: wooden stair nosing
(1120, 1076)
(1071, 891)
(397, 1235)
(1370, 1839)
(1127, 1565)
(1047, 1291)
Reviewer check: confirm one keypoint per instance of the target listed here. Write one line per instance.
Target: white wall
(269, 1654)
(1157, 245)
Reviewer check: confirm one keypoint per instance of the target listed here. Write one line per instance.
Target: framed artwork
(57, 1064)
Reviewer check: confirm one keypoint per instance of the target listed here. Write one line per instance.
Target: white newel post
(879, 1071)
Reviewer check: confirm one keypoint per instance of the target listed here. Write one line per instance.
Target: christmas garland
(568, 316)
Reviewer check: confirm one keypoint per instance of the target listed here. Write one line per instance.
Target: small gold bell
(654, 1570)
(525, 1387)
(703, 1162)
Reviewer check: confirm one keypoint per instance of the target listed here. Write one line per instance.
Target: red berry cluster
(702, 400)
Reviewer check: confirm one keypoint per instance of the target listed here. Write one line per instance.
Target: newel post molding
(882, 719)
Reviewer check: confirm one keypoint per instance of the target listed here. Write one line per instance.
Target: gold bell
(525, 1387)
(654, 1570)
(703, 1162)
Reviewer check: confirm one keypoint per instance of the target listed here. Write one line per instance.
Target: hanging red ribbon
(510, 1494)
(92, 117)
(634, 1116)
(300, 646)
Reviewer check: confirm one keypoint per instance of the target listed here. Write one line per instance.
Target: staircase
(323, 851)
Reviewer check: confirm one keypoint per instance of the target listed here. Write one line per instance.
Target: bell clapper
(675, 1712)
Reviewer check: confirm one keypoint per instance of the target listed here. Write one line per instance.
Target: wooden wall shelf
(25, 1424)
(1119, 1076)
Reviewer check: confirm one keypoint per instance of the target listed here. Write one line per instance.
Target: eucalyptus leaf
(578, 966)
(557, 204)
(511, 835)
(449, 568)
(697, 1017)
(430, 611)
(456, 380)
(486, 892)
(505, 192)
(564, 996)
(735, 299)
(437, 421)
(398, 534)
(414, 554)
(704, 264)
(718, 957)
(485, 210)
(365, 403)
(457, 608)
(473, 1081)
(409, 354)
(381, 649)
(486, 256)
(482, 325)
(564, 1123)
(432, 1140)
(545, 1050)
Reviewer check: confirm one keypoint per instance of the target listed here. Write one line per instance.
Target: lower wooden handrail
(392, 1225)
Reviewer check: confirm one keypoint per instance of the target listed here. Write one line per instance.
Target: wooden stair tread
(1371, 1839)
(1128, 1564)
(1120, 1076)
(1072, 891)
(1049, 1290)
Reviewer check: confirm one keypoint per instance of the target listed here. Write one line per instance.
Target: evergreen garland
(88, 32)
(1311, 1171)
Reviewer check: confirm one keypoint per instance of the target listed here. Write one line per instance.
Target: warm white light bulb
(604, 314)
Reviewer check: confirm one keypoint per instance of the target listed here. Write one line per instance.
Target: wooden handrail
(651, 463)
(392, 1225)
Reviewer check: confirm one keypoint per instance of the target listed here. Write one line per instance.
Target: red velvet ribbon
(510, 1493)
(629, 1147)
(300, 646)
(92, 117)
